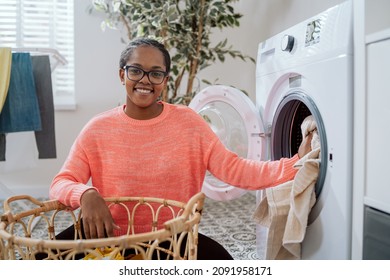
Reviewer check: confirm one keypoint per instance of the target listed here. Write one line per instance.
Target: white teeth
(140, 90)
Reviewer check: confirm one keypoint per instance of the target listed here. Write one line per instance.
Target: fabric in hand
(284, 209)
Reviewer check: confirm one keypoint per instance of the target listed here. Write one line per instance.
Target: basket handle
(20, 197)
(179, 224)
(196, 200)
(42, 207)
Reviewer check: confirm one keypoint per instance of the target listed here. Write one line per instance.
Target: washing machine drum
(286, 134)
(236, 121)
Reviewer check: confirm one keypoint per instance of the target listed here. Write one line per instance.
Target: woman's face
(143, 94)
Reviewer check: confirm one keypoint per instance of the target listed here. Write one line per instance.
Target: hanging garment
(21, 110)
(5, 73)
(45, 138)
(284, 209)
(2, 147)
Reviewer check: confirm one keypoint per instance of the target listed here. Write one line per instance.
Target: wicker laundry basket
(179, 234)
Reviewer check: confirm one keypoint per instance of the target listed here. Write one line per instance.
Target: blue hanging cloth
(21, 109)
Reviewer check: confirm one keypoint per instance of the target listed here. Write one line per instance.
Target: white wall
(376, 15)
(98, 87)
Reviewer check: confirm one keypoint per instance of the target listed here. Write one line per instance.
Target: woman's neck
(147, 113)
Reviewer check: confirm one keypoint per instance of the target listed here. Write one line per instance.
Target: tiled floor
(230, 224)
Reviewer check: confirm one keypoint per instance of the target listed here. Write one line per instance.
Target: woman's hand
(97, 219)
(305, 146)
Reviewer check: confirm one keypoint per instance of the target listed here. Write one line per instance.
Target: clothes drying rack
(59, 59)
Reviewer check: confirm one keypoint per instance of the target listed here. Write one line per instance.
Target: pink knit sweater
(165, 157)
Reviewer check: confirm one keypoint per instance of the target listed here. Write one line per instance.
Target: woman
(152, 148)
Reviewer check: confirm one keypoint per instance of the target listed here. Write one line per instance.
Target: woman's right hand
(305, 146)
(97, 219)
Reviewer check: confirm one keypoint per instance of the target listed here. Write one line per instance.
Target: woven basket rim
(184, 221)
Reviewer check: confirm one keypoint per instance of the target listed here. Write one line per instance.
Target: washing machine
(304, 70)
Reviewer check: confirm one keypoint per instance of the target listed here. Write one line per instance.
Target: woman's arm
(252, 174)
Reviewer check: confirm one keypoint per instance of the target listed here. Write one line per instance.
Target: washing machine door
(234, 118)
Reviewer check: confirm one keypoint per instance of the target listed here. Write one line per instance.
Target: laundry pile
(284, 209)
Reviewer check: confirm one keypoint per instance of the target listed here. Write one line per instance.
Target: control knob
(287, 43)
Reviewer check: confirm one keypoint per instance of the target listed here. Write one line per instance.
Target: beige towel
(285, 208)
(302, 199)
(272, 213)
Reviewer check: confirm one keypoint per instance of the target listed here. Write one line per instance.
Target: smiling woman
(145, 75)
(150, 148)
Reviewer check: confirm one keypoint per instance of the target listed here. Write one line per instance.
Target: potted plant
(184, 27)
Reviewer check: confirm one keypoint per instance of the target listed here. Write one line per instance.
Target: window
(37, 25)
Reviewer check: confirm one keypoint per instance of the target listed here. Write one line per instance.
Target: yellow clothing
(5, 73)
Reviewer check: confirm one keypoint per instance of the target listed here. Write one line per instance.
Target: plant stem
(195, 59)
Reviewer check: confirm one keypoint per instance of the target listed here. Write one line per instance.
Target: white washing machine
(307, 69)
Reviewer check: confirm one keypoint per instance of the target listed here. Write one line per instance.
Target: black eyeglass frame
(126, 67)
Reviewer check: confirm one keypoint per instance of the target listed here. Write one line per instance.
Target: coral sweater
(165, 157)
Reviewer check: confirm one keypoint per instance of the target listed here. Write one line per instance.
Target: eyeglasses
(136, 74)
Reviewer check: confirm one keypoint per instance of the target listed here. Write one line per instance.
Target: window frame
(44, 27)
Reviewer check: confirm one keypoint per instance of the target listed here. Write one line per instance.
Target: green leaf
(147, 5)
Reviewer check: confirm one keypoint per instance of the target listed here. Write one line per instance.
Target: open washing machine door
(234, 118)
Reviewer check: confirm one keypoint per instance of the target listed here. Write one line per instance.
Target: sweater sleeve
(249, 174)
(70, 183)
